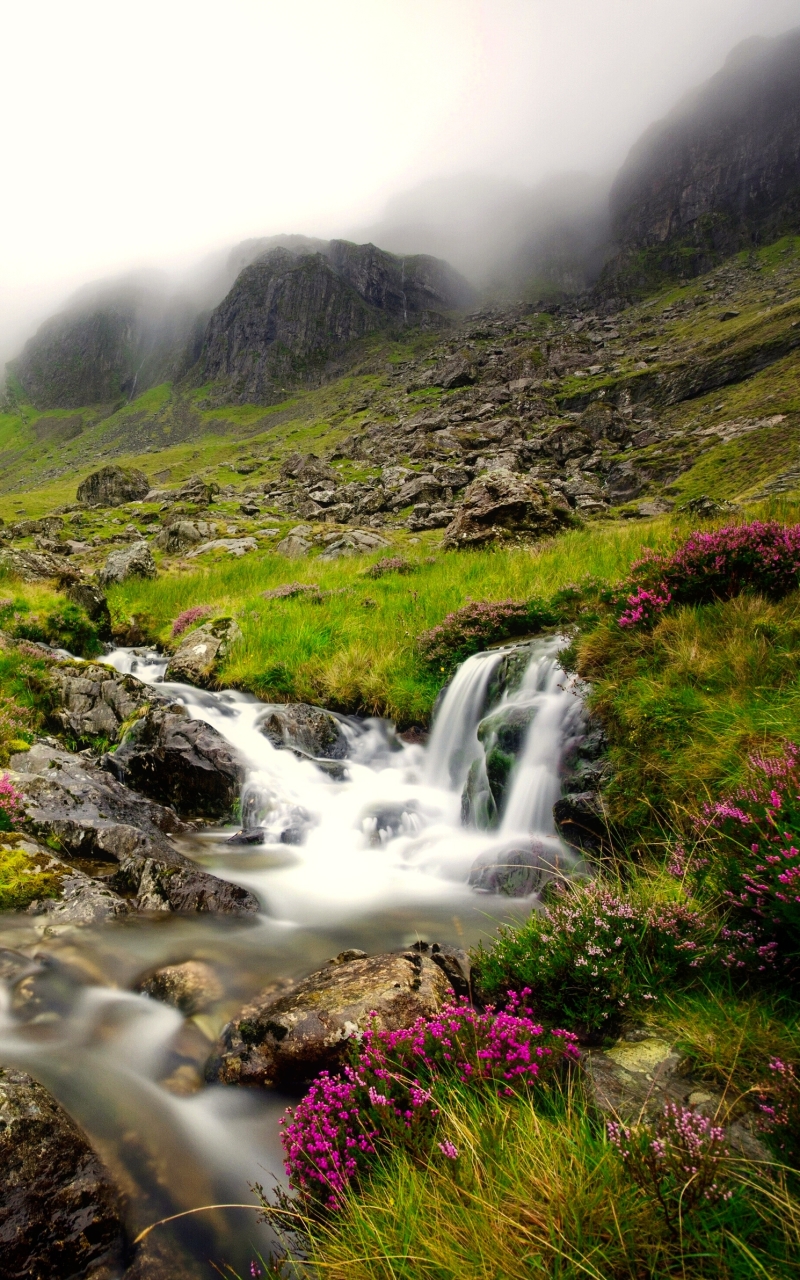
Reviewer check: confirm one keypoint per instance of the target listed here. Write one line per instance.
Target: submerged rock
(516, 872)
(178, 761)
(500, 506)
(113, 486)
(308, 730)
(202, 651)
(190, 987)
(60, 1214)
(287, 1039)
(85, 813)
(135, 561)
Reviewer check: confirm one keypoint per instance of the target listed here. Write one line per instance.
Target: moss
(23, 879)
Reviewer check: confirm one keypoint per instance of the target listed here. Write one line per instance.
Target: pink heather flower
(188, 618)
(447, 1149)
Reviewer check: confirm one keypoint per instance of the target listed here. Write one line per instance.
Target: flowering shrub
(591, 955)
(11, 804)
(389, 564)
(188, 618)
(763, 556)
(389, 1094)
(478, 624)
(679, 1160)
(754, 851)
(779, 1104)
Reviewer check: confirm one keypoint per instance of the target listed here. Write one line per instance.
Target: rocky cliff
(721, 172)
(290, 313)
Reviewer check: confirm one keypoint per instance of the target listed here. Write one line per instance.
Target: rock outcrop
(60, 1214)
(501, 506)
(35, 566)
(85, 813)
(178, 761)
(91, 701)
(286, 1039)
(135, 561)
(113, 486)
(201, 652)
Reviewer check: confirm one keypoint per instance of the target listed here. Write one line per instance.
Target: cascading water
(379, 856)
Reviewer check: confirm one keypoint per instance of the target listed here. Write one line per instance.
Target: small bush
(67, 626)
(478, 624)
(389, 1094)
(11, 804)
(389, 564)
(763, 556)
(779, 1104)
(593, 955)
(188, 619)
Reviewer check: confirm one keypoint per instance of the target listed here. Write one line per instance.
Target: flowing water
(382, 859)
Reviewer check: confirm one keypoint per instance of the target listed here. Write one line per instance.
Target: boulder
(422, 488)
(514, 873)
(178, 761)
(91, 701)
(286, 1039)
(582, 822)
(177, 537)
(135, 561)
(112, 486)
(233, 546)
(456, 372)
(501, 506)
(198, 491)
(79, 899)
(191, 987)
(201, 652)
(307, 469)
(84, 813)
(293, 546)
(60, 1214)
(307, 730)
(34, 566)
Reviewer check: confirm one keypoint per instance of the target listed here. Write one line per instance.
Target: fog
(160, 134)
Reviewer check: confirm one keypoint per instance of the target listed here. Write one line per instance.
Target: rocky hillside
(721, 172)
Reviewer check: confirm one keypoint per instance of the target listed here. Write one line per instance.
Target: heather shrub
(389, 564)
(478, 624)
(779, 1105)
(592, 955)
(763, 556)
(392, 1093)
(189, 618)
(679, 1160)
(11, 804)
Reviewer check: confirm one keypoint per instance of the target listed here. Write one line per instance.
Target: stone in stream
(285, 1039)
(113, 486)
(201, 652)
(60, 1214)
(135, 561)
(308, 730)
(75, 806)
(513, 873)
(69, 896)
(190, 987)
(93, 701)
(178, 761)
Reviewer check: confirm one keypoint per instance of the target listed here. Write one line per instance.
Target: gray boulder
(35, 566)
(77, 808)
(502, 506)
(112, 486)
(293, 546)
(201, 652)
(286, 1039)
(180, 536)
(178, 761)
(92, 701)
(135, 561)
(60, 1214)
(306, 730)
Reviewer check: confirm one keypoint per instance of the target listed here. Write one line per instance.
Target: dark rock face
(180, 762)
(500, 506)
(112, 486)
(289, 1038)
(722, 170)
(304, 729)
(60, 1215)
(130, 562)
(87, 814)
(200, 653)
(92, 701)
(289, 314)
(580, 814)
(93, 602)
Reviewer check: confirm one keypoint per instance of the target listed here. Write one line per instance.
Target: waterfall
(454, 744)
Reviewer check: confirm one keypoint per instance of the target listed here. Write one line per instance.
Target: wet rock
(516, 872)
(581, 821)
(80, 899)
(287, 1040)
(202, 651)
(112, 486)
(191, 987)
(186, 763)
(135, 561)
(308, 730)
(34, 566)
(60, 1214)
(86, 814)
(92, 701)
(501, 506)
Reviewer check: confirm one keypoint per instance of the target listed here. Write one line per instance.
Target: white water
(383, 859)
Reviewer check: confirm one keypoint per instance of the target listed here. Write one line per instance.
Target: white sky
(155, 131)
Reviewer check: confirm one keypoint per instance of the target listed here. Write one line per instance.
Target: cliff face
(108, 348)
(290, 313)
(719, 173)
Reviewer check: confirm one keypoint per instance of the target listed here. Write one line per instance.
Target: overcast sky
(155, 131)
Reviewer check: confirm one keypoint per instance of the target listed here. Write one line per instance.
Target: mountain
(720, 173)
